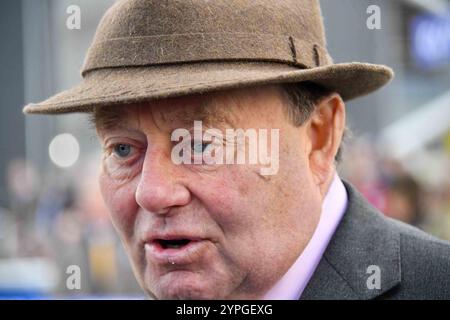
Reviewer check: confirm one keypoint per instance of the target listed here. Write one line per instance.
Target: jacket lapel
(364, 246)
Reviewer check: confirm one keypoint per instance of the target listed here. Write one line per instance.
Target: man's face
(207, 231)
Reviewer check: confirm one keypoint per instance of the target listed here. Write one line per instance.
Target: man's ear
(325, 130)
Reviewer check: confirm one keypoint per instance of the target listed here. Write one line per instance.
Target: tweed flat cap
(154, 49)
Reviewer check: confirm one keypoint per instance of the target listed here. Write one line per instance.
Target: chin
(182, 285)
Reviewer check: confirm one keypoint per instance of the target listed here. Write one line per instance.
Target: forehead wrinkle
(219, 110)
(172, 112)
(209, 110)
(146, 111)
(138, 117)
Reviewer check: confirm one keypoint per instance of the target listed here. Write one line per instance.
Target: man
(165, 82)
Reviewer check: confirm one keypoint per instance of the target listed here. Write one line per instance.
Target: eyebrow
(107, 118)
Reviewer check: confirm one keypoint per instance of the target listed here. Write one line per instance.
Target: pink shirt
(292, 284)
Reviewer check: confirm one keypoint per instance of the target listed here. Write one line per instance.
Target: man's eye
(122, 150)
(199, 147)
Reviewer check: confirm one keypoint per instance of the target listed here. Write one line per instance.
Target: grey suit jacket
(409, 263)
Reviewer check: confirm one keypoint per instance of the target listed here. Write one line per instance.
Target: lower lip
(175, 256)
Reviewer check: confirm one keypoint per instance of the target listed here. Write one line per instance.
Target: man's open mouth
(173, 243)
(175, 250)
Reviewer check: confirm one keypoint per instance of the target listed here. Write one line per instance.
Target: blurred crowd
(61, 219)
(415, 190)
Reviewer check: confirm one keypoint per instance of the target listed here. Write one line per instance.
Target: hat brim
(138, 84)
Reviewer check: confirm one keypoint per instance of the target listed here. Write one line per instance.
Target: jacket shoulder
(424, 263)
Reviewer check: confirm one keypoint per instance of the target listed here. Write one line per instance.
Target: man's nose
(160, 187)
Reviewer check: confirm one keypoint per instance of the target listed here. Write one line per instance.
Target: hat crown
(137, 18)
(151, 32)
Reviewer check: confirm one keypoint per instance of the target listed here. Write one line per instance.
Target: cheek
(234, 198)
(121, 203)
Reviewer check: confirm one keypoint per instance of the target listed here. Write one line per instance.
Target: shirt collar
(292, 284)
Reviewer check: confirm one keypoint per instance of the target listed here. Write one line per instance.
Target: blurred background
(51, 213)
